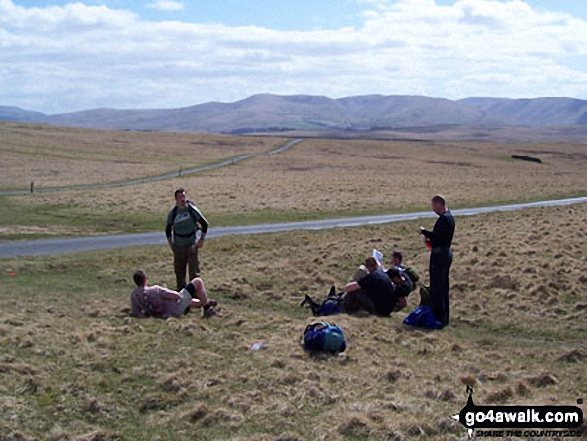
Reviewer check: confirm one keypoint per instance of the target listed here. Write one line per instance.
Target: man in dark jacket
(183, 223)
(373, 293)
(440, 258)
(401, 282)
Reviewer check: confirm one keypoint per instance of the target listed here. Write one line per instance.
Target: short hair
(397, 255)
(439, 199)
(178, 191)
(371, 262)
(393, 273)
(140, 278)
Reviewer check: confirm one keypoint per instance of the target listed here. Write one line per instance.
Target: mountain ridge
(274, 113)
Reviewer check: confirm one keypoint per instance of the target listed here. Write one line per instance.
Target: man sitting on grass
(160, 302)
(373, 293)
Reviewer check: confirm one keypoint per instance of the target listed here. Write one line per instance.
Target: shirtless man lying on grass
(160, 302)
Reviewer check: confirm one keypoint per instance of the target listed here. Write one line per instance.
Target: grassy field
(60, 157)
(315, 179)
(74, 366)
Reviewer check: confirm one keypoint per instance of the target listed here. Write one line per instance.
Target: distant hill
(275, 113)
(19, 115)
(538, 112)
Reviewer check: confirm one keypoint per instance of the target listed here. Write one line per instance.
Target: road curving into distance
(74, 245)
(175, 174)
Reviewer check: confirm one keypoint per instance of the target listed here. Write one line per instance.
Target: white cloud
(77, 56)
(166, 5)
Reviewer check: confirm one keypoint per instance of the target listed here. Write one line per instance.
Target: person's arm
(168, 228)
(200, 219)
(204, 224)
(168, 294)
(439, 229)
(426, 233)
(352, 287)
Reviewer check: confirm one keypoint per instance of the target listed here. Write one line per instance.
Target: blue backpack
(422, 317)
(331, 306)
(324, 337)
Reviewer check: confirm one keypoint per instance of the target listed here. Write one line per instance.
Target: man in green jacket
(183, 223)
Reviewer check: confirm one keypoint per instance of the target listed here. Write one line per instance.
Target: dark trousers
(357, 301)
(440, 262)
(185, 257)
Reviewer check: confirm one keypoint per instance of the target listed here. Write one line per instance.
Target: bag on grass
(331, 306)
(324, 337)
(422, 317)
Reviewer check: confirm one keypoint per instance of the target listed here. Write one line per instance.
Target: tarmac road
(73, 245)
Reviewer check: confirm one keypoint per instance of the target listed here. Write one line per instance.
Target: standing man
(183, 223)
(440, 258)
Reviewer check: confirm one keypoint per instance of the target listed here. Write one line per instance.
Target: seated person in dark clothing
(402, 284)
(373, 293)
(405, 271)
(402, 287)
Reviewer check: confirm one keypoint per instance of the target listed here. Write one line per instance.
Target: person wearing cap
(440, 258)
(183, 224)
(160, 302)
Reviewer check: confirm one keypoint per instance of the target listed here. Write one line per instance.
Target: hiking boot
(211, 312)
(210, 302)
(307, 301)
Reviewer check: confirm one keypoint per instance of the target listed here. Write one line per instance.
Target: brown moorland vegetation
(58, 157)
(74, 366)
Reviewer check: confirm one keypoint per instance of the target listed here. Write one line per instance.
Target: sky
(62, 56)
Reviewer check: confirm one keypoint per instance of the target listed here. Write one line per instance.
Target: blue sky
(275, 14)
(58, 55)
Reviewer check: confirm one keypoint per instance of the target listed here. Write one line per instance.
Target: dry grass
(52, 156)
(373, 176)
(74, 366)
(324, 178)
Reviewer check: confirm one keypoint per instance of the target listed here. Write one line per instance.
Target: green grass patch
(50, 220)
